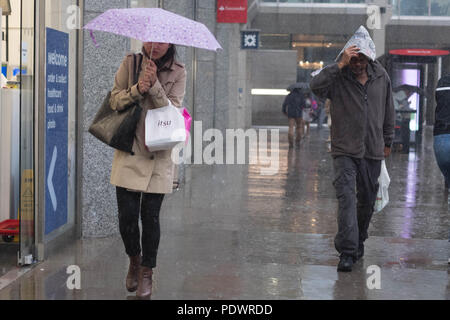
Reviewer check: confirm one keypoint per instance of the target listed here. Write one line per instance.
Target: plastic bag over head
(363, 41)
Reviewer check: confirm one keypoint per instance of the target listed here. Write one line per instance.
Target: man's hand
(387, 152)
(148, 80)
(348, 54)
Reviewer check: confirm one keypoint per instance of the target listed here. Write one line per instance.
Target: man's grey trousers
(356, 184)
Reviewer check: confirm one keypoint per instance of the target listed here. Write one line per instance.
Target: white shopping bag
(383, 195)
(164, 128)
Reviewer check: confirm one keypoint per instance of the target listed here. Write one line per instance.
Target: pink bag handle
(187, 123)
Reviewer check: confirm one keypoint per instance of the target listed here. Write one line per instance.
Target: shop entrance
(38, 125)
(414, 74)
(17, 171)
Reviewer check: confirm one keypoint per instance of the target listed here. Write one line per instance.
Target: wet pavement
(231, 233)
(8, 257)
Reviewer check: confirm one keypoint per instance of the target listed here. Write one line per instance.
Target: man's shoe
(346, 263)
(133, 273)
(144, 290)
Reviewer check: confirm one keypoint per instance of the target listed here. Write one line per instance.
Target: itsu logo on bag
(164, 124)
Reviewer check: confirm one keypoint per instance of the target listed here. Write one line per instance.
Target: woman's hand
(149, 78)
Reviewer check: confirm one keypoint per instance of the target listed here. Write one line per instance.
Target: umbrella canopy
(154, 25)
(299, 85)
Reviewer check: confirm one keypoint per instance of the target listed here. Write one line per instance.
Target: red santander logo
(232, 11)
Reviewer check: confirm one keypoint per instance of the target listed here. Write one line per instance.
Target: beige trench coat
(149, 172)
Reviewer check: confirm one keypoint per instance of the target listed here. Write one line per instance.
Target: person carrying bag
(143, 178)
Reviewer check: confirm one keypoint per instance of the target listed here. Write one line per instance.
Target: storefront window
(61, 99)
(316, 1)
(400, 7)
(414, 7)
(17, 173)
(25, 77)
(440, 8)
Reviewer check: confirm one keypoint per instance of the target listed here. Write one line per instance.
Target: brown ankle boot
(144, 290)
(133, 274)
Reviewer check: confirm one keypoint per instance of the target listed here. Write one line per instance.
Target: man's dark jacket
(363, 117)
(442, 124)
(293, 104)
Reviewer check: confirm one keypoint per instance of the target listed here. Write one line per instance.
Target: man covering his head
(363, 118)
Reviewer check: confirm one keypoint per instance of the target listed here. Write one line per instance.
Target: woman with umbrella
(142, 178)
(293, 108)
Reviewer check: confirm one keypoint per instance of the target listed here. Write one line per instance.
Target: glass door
(61, 36)
(17, 178)
(9, 137)
(25, 78)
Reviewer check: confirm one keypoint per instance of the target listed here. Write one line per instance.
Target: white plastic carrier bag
(383, 196)
(164, 128)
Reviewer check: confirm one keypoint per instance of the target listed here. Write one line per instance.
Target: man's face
(358, 65)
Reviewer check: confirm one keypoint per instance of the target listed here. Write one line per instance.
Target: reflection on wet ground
(232, 233)
(8, 257)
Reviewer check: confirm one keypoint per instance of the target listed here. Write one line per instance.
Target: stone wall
(99, 209)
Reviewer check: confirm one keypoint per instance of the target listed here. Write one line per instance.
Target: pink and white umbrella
(154, 25)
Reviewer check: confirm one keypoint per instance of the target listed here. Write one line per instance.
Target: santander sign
(232, 11)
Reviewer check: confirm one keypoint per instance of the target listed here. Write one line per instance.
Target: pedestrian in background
(363, 121)
(442, 133)
(143, 179)
(442, 128)
(292, 108)
(307, 112)
(328, 113)
(320, 112)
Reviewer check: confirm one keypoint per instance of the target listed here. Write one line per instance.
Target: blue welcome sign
(56, 134)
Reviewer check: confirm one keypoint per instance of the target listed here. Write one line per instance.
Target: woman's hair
(168, 57)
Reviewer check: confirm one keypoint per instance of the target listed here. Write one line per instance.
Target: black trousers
(148, 205)
(356, 184)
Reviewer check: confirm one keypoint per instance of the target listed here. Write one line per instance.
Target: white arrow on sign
(51, 189)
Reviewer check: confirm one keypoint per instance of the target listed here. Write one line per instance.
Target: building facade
(317, 30)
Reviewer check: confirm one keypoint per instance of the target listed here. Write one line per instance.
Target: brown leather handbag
(117, 129)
